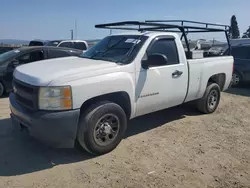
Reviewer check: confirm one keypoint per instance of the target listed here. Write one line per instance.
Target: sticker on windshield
(135, 41)
(17, 51)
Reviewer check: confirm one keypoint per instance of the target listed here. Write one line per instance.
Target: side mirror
(14, 63)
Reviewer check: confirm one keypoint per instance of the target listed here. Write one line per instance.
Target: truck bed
(200, 71)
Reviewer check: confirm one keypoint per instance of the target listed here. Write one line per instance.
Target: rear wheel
(102, 128)
(210, 100)
(1, 89)
(236, 79)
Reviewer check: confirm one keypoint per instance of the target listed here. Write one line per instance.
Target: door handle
(177, 73)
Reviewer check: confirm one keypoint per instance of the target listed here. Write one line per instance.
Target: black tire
(236, 79)
(2, 89)
(88, 127)
(204, 104)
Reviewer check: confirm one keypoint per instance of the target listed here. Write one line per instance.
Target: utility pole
(110, 32)
(72, 34)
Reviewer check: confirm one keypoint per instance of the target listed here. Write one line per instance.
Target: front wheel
(102, 127)
(210, 100)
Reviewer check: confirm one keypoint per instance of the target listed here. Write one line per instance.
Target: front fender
(87, 88)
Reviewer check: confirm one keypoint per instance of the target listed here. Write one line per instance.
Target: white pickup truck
(89, 99)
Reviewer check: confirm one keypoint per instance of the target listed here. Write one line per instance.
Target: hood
(41, 73)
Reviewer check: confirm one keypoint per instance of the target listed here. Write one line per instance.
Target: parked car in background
(241, 54)
(240, 41)
(10, 60)
(37, 42)
(75, 44)
(4, 49)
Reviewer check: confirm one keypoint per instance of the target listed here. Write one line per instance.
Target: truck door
(161, 86)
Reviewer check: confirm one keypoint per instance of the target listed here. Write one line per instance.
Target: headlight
(55, 98)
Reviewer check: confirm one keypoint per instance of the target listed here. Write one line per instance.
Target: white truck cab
(90, 99)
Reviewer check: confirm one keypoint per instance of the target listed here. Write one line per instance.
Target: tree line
(234, 30)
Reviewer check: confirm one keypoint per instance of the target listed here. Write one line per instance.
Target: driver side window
(165, 47)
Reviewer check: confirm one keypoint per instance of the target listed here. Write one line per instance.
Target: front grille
(24, 101)
(23, 86)
(26, 95)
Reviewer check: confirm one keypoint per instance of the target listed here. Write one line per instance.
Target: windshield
(8, 55)
(53, 43)
(120, 48)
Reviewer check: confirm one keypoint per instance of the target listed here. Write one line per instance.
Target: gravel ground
(177, 147)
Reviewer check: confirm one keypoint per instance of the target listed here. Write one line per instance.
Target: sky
(53, 19)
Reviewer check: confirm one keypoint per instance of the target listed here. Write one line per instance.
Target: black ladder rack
(202, 25)
(162, 25)
(181, 26)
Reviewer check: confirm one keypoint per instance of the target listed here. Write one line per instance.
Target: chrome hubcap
(106, 129)
(235, 79)
(212, 99)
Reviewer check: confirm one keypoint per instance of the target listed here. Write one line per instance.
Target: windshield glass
(53, 43)
(8, 55)
(120, 48)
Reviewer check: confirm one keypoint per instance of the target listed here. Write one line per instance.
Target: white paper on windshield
(17, 51)
(134, 41)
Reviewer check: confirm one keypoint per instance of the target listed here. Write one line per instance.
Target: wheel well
(120, 98)
(219, 79)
